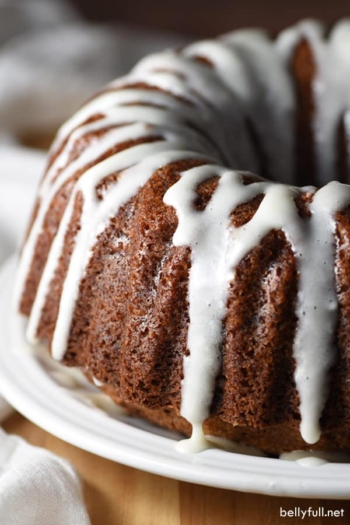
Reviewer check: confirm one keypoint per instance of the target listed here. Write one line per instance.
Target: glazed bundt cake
(173, 257)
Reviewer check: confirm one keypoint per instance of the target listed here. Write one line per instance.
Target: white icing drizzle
(317, 306)
(200, 442)
(227, 121)
(97, 382)
(288, 39)
(203, 114)
(107, 142)
(241, 60)
(216, 250)
(332, 95)
(206, 233)
(95, 216)
(309, 458)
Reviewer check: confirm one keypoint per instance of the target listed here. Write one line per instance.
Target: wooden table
(119, 495)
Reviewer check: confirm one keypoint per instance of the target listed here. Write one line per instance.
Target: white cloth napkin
(36, 487)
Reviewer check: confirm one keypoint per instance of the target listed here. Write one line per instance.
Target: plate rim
(141, 448)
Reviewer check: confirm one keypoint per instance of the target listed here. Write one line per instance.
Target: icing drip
(95, 217)
(45, 201)
(97, 382)
(241, 60)
(332, 96)
(101, 170)
(216, 250)
(207, 234)
(309, 458)
(317, 306)
(227, 121)
(200, 443)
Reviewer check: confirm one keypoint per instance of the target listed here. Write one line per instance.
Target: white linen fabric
(36, 487)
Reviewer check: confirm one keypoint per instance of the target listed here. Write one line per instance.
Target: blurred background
(201, 18)
(55, 53)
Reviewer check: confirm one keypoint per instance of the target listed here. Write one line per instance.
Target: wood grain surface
(119, 495)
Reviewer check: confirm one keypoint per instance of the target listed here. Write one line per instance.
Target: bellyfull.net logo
(320, 512)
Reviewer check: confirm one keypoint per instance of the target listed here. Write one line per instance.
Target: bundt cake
(192, 291)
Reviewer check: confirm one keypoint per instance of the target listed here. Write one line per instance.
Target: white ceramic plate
(66, 407)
